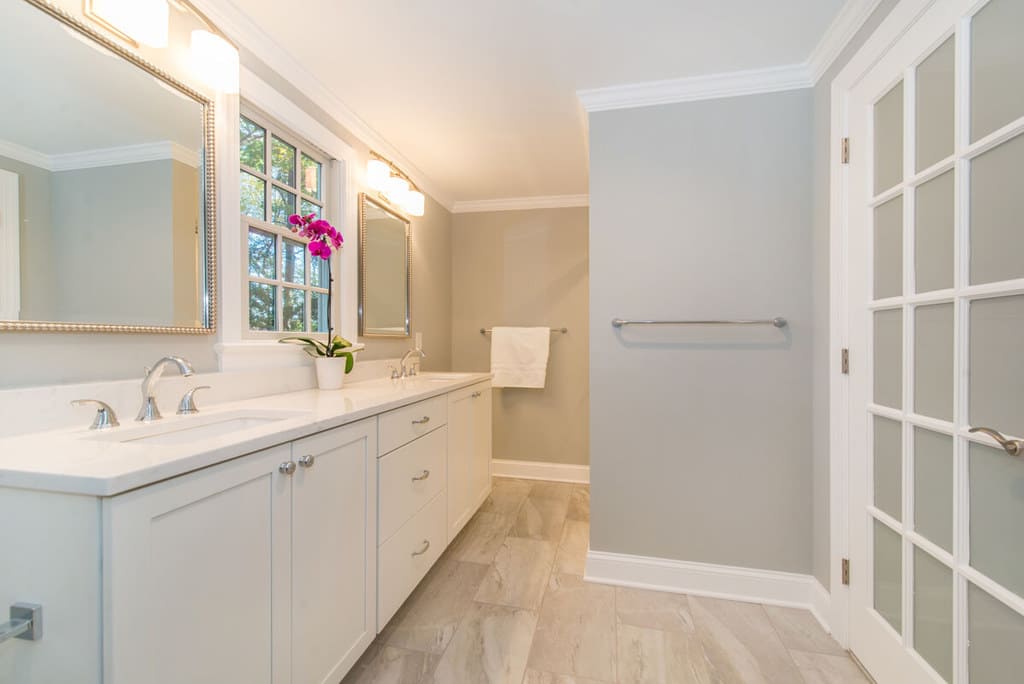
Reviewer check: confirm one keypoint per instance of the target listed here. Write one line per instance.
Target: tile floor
(507, 603)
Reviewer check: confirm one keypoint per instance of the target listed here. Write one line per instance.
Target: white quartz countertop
(95, 463)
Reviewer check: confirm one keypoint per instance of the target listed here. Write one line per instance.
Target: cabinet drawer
(403, 425)
(402, 560)
(411, 476)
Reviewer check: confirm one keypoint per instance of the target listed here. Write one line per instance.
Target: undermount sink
(189, 429)
(443, 377)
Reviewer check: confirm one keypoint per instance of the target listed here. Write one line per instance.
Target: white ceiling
(64, 94)
(481, 95)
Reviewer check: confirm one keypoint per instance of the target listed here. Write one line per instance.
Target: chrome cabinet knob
(423, 549)
(307, 461)
(422, 476)
(422, 421)
(287, 468)
(1014, 447)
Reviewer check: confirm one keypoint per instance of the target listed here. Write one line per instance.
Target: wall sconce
(394, 186)
(134, 21)
(215, 61)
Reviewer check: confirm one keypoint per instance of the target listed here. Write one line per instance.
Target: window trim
(274, 130)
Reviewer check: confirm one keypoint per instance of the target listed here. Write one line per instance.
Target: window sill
(256, 354)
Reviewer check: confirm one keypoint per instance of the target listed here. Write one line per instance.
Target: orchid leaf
(313, 347)
(350, 362)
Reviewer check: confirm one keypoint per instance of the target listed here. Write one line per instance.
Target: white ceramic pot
(330, 372)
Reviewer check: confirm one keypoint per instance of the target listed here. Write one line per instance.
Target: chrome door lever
(1014, 447)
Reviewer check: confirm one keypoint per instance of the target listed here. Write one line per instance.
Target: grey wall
(701, 438)
(823, 356)
(527, 268)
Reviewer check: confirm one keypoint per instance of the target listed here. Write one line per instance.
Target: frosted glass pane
(995, 634)
(997, 370)
(997, 509)
(888, 575)
(933, 234)
(997, 204)
(997, 66)
(935, 106)
(933, 361)
(888, 460)
(889, 249)
(933, 487)
(889, 358)
(933, 613)
(889, 139)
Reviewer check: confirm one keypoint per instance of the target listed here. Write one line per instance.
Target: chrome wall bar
(26, 623)
(487, 331)
(778, 322)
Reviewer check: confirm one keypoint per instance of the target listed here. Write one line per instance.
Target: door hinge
(846, 572)
(846, 150)
(844, 362)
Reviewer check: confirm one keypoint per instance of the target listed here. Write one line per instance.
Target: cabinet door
(460, 460)
(334, 544)
(480, 472)
(196, 577)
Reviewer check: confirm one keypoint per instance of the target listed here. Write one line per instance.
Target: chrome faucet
(408, 372)
(149, 411)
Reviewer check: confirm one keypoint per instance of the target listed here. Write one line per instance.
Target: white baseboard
(537, 470)
(769, 587)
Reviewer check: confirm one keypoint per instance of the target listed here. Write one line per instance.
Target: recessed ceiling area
(481, 96)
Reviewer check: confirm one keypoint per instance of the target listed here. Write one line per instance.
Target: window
(280, 176)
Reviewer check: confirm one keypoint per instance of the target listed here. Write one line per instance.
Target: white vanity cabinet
(469, 453)
(261, 569)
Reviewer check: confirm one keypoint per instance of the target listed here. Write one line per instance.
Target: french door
(936, 320)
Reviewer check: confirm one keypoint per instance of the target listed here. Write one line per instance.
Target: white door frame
(902, 16)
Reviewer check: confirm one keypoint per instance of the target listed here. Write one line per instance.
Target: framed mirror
(107, 216)
(385, 270)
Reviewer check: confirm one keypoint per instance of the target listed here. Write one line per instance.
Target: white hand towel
(519, 357)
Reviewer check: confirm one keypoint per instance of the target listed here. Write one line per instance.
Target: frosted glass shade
(215, 61)
(415, 203)
(144, 21)
(377, 174)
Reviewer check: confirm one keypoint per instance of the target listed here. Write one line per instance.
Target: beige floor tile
(490, 647)
(428, 619)
(519, 573)
(481, 538)
(579, 503)
(652, 656)
(821, 668)
(506, 496)
(653, 610)
(538, 677)
(390, 665)
(551, 490)
(572, 550)
(801, 631)
(741, 643)
(541, 518)
(576, 631)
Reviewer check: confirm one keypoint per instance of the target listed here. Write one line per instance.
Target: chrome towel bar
(26, 623)
(778, 322)
(487, 331)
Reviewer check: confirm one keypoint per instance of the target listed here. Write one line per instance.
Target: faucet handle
(105, 416)
(187, 405)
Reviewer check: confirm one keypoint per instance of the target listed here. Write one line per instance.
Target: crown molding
(521, 203)
(107, 156)
(245, 32)
(693, 88)
(840, 32)
(24, 155)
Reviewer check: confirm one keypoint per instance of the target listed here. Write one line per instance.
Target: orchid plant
(323, 240)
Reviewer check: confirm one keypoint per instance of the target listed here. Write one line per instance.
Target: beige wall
(527, 268)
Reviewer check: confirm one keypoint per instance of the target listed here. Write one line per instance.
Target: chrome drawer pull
(422, 476)
(426, 545)
(422, 421)
(307, 461)
(287, 468)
